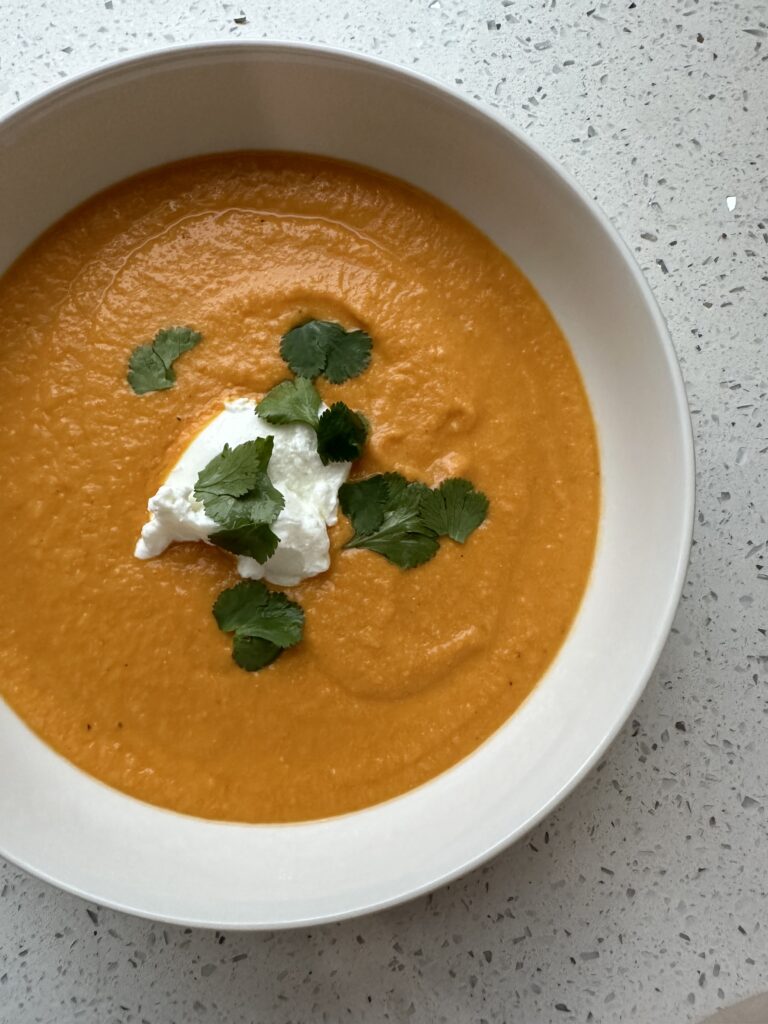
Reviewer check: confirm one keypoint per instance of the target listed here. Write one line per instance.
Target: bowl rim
(166, 55)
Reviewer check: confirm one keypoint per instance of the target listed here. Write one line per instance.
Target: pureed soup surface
(117, 663)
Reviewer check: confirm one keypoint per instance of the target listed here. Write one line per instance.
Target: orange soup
(118, 663)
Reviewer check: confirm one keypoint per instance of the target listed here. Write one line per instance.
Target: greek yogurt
(310, 490)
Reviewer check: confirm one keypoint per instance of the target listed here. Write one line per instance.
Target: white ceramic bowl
(57, 150)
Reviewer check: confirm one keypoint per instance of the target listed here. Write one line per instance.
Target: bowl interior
(57, 151)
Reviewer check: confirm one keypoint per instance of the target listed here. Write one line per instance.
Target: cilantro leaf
(150, 367)
(341, 434)
(454, 509)
(400, 534)
(405, 548)
(263, 621)
(256, 540)
(235, 489)
(280, 620)
(251, 608)
(262, 504)
(348, 354)
(232, 471)
(253, 653)
(147, 371)
(171, 342)
(236, 606)
(292, 401)
(364, 502)
(303, 348)
(322, 346)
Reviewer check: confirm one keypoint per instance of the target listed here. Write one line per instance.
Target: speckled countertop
(644, 898)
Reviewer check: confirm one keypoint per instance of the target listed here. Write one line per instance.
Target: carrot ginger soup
(271, 657)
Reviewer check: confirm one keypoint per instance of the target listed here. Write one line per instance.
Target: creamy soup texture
(118, 664)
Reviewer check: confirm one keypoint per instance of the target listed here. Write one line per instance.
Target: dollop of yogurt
(310, 490)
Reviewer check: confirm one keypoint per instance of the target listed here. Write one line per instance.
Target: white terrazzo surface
(644, 898)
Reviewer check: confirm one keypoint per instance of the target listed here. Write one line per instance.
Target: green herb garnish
(256, 540)
(237, 493)
(150, 367)
(253, 653)
(341, 434)
(386, 513)
(322, 346)
(292, 401)
(403, 520)
(454, 509)
(264, 622)
(364, 501)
